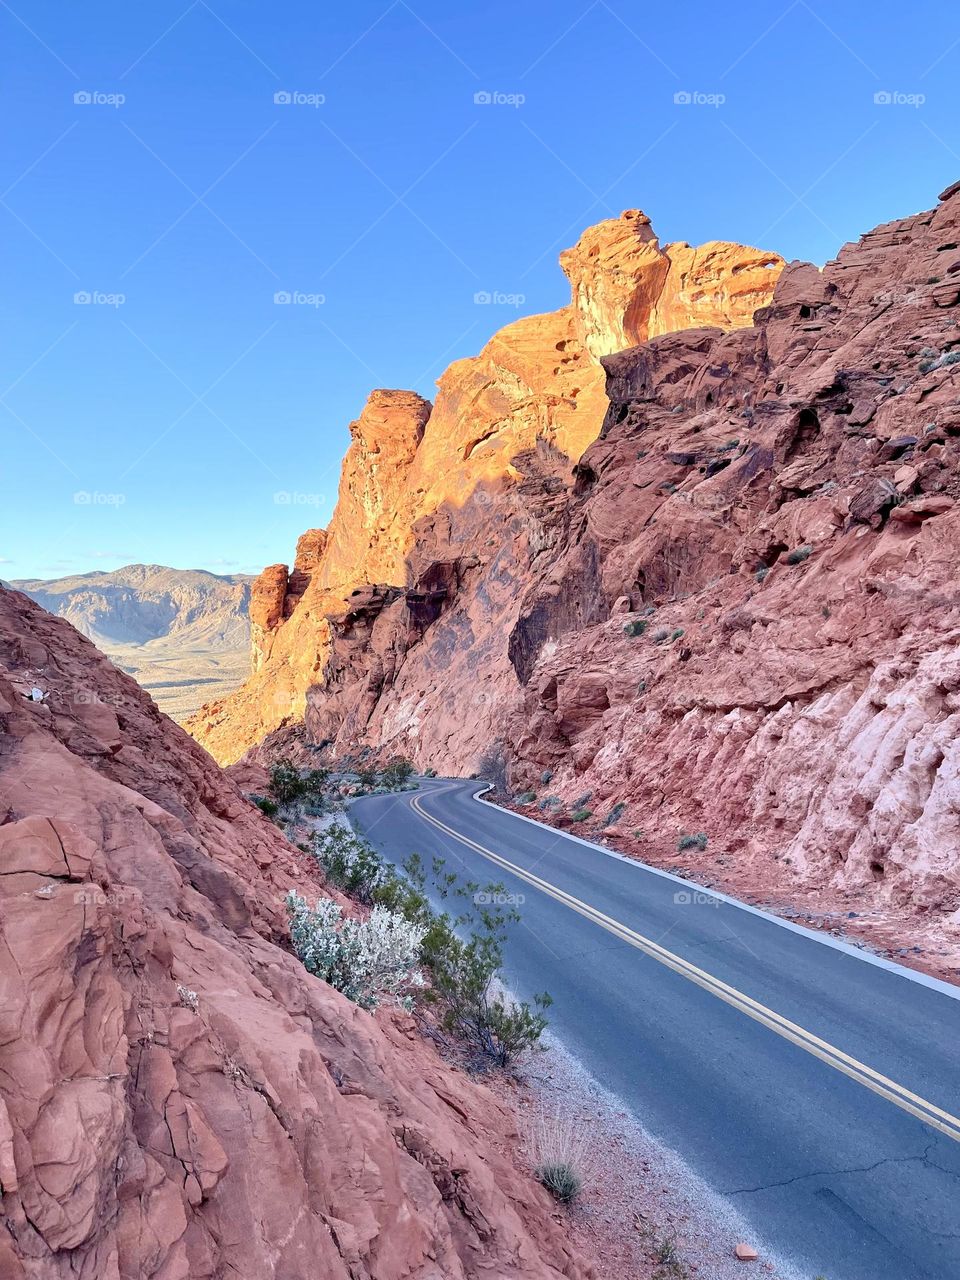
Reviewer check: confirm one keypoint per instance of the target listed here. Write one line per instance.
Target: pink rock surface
(266, 1127)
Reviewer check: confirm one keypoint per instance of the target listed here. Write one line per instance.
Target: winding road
(814, 1086)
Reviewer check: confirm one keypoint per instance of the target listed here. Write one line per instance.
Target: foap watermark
(97, 298)
(93, 698)
(294, 498)
(92, 895)
(696, 98)
(94, 98)
(297, 298)
(294, 98)
(94, 498)
(691, 897)
(897, 98)
(498, 899)
(497, 298)
(496, 98)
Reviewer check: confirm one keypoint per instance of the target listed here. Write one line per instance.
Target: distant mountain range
(184, 634)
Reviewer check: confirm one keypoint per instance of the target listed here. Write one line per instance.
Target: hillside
(180, 1097)
(183, 634)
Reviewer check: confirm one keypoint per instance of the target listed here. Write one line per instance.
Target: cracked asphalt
(836, 1179)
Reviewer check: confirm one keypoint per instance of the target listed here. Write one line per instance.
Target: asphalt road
(817, 1090)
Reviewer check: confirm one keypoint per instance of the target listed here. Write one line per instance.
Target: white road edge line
(881, 962)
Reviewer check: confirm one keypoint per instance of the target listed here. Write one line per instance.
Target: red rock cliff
(179, 1097)
(426, 492)
(744, 620)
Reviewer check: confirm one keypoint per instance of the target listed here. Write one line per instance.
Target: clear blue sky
(183, 411)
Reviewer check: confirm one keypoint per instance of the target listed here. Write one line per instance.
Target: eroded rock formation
(178, 1097)
(429, 496)
(743, 618)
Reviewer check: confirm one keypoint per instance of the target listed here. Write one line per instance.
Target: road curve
(818, 1091)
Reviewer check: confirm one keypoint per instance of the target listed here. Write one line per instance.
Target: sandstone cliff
(434, 499)
(744, 620)
(179, 1098)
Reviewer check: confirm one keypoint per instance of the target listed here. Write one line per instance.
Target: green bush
(526, 797)
(798, 555)
(465, 973)
(581, 815)
(615, 814)
(265, 805)
(699, 841)
(288, 784)
(397, 774)
(546, 776)
(561, 1181)
(636, 627)
(465, 982)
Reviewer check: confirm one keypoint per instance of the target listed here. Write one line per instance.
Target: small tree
(285, 782)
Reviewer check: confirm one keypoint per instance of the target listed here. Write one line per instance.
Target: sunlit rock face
(430, 490)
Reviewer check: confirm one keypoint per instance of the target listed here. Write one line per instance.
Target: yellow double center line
(806, 1040)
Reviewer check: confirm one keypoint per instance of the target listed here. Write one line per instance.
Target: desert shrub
(636, 627)
(582, 801)
(397, 774)
(562, 1153)
(581, 815)
(288, 785)
(666, 1251)
(526, 797)
(762, 572)
(550, 802)
(464, 974)
(429, 773)
(465, 984)
(285, 782)
(660, 635)
(546, 776)
(698, 841)
(266, 805)
(798, 555)
(367, 960)
(615, 814)
(349, 863)
(677, 634)
(492, 767)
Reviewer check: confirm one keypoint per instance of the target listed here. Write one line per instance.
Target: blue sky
(182, 411)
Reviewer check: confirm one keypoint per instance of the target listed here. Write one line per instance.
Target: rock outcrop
(426, 494)
(743, 617)
(178, 1097)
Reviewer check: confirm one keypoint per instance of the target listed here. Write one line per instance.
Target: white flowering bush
(368, 960)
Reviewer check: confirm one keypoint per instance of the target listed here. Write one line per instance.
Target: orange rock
(745, 1253)
(422, 487)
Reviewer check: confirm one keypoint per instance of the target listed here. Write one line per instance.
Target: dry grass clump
(559, 1145)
